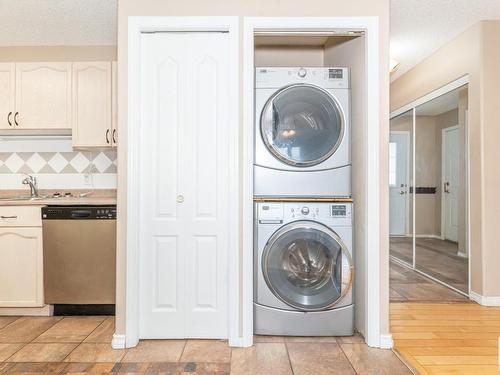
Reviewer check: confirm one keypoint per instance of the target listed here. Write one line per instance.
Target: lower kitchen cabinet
(21, 266)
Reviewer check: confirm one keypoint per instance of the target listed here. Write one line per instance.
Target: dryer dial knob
(302, 73)
(305, 210)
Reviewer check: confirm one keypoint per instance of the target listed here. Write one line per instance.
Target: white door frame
(406, 133)
(370, 25)
(443, 131)
(136, 26)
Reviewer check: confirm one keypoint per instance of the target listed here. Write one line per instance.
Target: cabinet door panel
(7, 95)
(21, 267)
(43, 95)
(114, 105)
(92, 104)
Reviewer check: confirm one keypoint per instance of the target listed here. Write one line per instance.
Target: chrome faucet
(31, 181)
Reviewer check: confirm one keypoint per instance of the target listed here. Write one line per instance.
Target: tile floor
(81, 345)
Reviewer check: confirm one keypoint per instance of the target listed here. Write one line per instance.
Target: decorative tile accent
(58, 162)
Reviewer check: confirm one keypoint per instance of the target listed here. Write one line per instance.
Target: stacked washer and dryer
(303, 270)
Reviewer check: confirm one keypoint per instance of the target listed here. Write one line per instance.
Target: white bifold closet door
(184, 176)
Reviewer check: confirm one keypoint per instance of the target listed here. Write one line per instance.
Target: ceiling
(420, 27)
(57, 22)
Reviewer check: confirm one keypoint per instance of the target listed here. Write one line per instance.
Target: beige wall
(243, 8)
(475, 52)
(283, 55)
(350, 53)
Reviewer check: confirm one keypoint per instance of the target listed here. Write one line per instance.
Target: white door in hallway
(451, 182)
(185, 160)
(399, 150)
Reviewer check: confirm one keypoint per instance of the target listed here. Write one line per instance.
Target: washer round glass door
(302, 125)
(303, 266)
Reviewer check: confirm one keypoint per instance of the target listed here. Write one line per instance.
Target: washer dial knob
(305, 210)
(302, 73)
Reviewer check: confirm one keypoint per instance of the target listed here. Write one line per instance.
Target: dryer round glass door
(307, 266)
(302, 125)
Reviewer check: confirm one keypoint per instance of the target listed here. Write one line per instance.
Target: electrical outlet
(87, 179)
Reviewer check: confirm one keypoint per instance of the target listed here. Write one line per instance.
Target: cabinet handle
(15, 119)
(8, 118)
(107, 136)
(9, 217)
(114, 136)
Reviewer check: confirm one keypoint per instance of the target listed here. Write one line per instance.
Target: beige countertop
(96, 197)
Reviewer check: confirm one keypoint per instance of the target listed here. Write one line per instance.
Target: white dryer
(303, 269)
(302, 132)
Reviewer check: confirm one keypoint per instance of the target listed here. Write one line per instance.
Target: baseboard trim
(118, 341)
(386, 341)
(485, 300)
(47, 310)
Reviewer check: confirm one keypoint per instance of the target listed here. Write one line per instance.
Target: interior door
(451, 181)
(398, 182)
(184, 174)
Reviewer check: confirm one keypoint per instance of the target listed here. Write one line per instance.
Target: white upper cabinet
(92, 104)
(7, 95)
(114, 103)
(43, 95)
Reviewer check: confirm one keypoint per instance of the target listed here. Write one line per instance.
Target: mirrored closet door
(428, 188)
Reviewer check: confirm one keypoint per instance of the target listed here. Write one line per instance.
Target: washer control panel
(283, 212)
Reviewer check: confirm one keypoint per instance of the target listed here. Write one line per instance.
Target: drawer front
(20, 216)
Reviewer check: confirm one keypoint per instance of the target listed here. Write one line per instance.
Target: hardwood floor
(82, 345)
(447, 338)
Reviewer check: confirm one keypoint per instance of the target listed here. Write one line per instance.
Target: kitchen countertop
(96, 197)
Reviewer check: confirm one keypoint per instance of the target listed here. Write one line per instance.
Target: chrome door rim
(278, 155)
(306, 224)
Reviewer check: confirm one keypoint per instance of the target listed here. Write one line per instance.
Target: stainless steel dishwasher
(79, 255)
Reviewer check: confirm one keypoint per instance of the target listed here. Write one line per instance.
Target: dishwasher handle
(81, 214)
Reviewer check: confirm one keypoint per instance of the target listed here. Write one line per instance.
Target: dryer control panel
(277, 77)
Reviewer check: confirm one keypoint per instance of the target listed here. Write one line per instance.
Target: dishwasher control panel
(79, 213)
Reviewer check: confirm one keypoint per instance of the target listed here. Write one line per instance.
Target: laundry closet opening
(311, 176)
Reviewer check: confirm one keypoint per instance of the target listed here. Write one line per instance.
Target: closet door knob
(180, 199)
(15, 119)
(107, 136)
(8, 118)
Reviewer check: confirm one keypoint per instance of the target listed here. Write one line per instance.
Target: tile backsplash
(58, 162)
(55, 164)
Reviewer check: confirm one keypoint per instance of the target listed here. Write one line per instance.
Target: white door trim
(406, 133)
(136, 26)
(370, 25)
(443, 151)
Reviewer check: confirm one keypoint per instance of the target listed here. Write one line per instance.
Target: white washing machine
(303, 269)
(302, 132)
